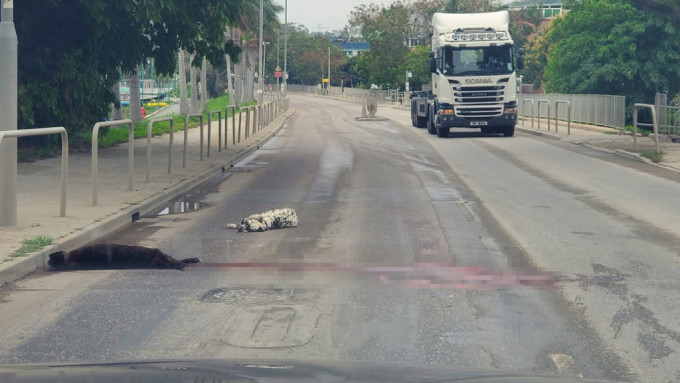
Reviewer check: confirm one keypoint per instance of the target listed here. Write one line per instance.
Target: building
(353, 49)
(549, 8)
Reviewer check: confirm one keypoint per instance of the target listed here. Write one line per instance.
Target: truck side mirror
(520, 58)
(433, 65)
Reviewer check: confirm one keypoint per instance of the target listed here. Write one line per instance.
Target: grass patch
(652, 155)
(644, 132)
(116, 135)
(31, 245)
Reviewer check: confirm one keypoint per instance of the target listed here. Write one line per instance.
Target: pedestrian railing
(596, 109)
(219, 120)
(64, 156)
(186, 136)
(233, 124)
(95, 152)
(557, 112)
(531, 101)
(149, 127)
(538, 112)
(655, 124)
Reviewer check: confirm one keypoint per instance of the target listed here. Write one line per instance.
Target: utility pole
(329, 69)
(8, 114)
(285, 49)
(260, 95)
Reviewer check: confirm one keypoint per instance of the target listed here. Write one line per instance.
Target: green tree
(383, 28)
(417, 62)
(308, 57)
(71, 52)
(610, 47)
(536, 61)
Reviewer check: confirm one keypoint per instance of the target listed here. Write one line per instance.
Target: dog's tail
(189, 260)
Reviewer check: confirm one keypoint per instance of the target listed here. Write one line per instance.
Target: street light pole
(285, 49)
(261, 90)
(264, 63)
(8, 114)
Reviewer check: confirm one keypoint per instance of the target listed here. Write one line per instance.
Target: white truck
(472, 61)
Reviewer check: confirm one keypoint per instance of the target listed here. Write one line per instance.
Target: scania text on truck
(474, 85)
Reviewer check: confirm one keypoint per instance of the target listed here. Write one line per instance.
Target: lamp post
(8, 114)
(409, 74)
(264, 62)
(285, 48)
(257, 80)
(260, 90)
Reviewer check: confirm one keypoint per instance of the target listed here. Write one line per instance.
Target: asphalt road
(443, 213)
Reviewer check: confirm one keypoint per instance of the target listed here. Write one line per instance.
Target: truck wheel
(509, 131)
(421, 122)
(442, 132)
(430, 123)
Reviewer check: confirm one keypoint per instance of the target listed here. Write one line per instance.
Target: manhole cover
(272, 326)
(245, 295)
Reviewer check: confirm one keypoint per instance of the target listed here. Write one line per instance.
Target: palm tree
(244, 25)
(183, 98)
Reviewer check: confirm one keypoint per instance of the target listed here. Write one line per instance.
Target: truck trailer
(472, 61)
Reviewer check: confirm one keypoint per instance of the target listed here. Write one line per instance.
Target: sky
(324, 15)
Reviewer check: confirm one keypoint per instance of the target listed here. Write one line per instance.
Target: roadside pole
(8, 114)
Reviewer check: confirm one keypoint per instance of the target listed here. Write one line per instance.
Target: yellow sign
(324, 80)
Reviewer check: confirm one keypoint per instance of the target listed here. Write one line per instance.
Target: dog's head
(57, 259)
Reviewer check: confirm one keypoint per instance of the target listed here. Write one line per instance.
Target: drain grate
(247, 295)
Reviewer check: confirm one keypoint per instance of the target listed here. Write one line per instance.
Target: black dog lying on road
(111, 256)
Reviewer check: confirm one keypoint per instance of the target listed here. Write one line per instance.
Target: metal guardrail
(95, 152)
(64, 155)
(538, 112)
(596, 109)
(148, 144)
(219, 120)
(186, 136)
(654, 123)
(557, 109)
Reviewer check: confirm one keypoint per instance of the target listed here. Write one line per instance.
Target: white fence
(596, 109)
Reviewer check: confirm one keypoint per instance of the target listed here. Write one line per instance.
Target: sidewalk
(39, 194)
(609, 140)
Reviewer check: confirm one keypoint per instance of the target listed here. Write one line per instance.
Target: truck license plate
(479, 123)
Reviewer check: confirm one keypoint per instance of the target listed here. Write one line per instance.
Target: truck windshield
(476, 61)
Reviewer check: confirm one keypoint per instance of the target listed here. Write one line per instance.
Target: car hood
(225, 371)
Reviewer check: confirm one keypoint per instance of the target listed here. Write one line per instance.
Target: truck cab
(473, 63)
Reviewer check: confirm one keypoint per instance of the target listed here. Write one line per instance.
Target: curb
(20, 267)
(538, 133)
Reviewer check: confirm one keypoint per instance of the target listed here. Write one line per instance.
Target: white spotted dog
(271, 219)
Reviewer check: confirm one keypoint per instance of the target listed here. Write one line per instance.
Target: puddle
(178, 207)
(191, 201)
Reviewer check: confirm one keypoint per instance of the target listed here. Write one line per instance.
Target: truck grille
(478, 101)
